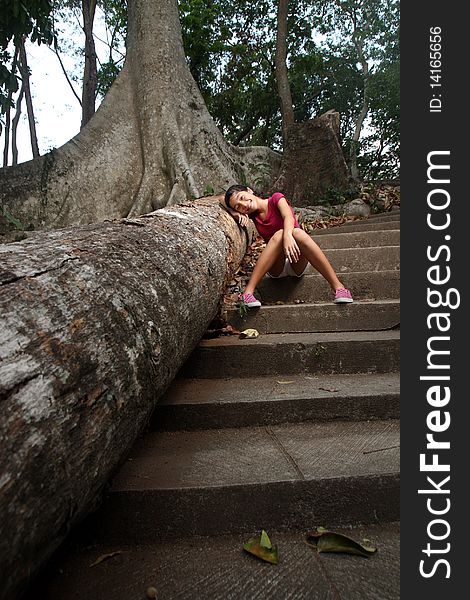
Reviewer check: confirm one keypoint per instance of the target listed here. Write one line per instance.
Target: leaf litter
(321, 539)
(330, 541)
(262, 548)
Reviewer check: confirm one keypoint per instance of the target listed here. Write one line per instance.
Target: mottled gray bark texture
(95, 322)
(151, 143)
(282, 78)
(313, 165)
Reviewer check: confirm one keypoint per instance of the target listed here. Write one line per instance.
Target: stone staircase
(295, 429)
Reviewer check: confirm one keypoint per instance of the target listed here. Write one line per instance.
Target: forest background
(341, 55)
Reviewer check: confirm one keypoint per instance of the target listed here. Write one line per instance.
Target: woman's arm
(239, 217)
(291, 249)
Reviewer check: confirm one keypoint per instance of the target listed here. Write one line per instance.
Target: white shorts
(288, 271)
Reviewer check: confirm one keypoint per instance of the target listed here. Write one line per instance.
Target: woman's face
(244, 202)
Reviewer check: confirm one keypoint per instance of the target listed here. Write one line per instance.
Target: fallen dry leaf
(330, 541)
(249, 333)
(262, 548)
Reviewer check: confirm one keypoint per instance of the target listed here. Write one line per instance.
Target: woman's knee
(278, 236)
(299, 234)
(301, 237)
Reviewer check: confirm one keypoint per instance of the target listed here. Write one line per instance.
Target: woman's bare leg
(315, 256)
(272, 259)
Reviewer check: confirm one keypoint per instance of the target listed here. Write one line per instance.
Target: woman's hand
(242, 219)
(291, 249)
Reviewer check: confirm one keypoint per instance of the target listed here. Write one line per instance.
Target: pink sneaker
(342, 296)
(249, 300)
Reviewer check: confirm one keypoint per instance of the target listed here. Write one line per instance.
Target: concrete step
(360, 239)
(217, 568)
(217, 403)
(379, 258)
(374, 315)
(385, 216)
(239, 480)
(313, 287)
(360, 225)
(308, 353)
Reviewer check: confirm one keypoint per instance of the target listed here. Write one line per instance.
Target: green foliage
(230, 48)
(8, 83)
(229, 53)
(115, 12)
(115, 17)
(374, 24)
(331, 196)
(260, 175)
(29, 18)
(381, 147)
(107, 73)
(242, 308)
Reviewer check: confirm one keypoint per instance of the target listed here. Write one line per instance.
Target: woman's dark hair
(233, 189)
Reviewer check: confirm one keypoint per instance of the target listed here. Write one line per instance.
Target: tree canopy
(230, 46)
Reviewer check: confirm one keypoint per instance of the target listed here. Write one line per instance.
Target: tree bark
(29, 101)
(6, 146)
(90, 73)
(283, 87)
(14, 126)
(96, 321)
(313, 164)
(151, 140)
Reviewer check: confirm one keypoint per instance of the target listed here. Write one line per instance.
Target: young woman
(289, 248)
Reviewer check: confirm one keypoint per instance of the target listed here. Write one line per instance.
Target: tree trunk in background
(7, 128)
(14, 126)
(90, 73)
(364, 109)
(151, 143)
(24, 70)
(6, 147)
(313, 164)
(283, 87)
(96, 321)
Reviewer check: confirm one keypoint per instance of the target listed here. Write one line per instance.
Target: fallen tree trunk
(96, 321)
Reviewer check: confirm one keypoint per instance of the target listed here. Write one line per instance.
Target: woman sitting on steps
(289, 248)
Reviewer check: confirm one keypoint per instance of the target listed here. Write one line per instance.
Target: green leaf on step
(265, 542)
(262, 548)
(329, 541)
